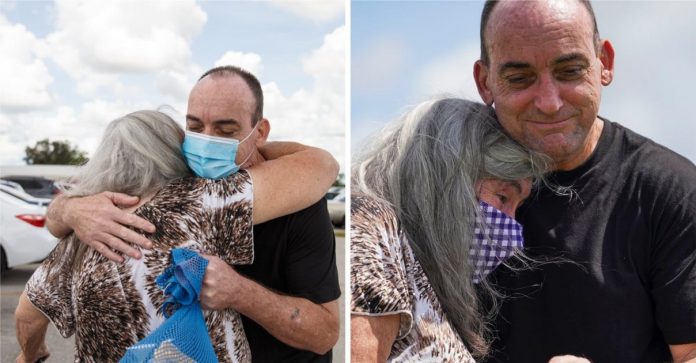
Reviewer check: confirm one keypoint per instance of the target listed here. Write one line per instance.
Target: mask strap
(251, 132)
(247, 159)
(244, 139)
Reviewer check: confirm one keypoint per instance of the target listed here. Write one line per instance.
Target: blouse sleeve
(227, 218)
(49, 288)
(378, 274)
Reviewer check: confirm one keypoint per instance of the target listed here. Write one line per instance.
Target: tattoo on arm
(295, 314)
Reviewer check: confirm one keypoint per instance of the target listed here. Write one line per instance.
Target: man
(621, 286)
(288, 296)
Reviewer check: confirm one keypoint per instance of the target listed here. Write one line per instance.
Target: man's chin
(556, 146)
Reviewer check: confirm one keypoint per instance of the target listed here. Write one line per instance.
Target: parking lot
(12, 285)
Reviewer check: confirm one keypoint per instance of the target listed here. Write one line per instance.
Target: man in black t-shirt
(289, 296)
(297, 305)
(617, 275)
(293, 255)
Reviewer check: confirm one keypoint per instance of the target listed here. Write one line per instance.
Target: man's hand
(99, 222)
(294, 321)
(219, 283)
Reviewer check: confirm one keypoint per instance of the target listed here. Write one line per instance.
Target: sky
(67, 68)
(403, 53)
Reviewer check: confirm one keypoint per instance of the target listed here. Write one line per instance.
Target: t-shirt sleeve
(673, 262)
(377, 267)
(310, 258)
(49, 289)
(226, 218)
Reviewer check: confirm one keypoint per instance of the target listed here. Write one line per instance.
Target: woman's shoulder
(374, 221)
(366, 208)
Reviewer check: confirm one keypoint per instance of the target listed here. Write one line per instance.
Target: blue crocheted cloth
(183, 337)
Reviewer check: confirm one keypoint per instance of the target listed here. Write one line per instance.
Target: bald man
(623, 288)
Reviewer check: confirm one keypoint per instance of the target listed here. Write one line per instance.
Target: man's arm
(295, 321)
(31, 331)
(98, 222)
(683, 353)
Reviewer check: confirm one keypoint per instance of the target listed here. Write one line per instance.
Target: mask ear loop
(251, 132)
(244, 139)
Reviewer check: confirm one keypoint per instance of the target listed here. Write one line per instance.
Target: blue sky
(405, 52)
(68, 68)
(63, 75)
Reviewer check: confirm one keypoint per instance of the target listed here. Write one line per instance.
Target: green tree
(54, 152)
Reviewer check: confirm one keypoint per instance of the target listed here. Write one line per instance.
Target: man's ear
(263, 129)
(606, 56)
(481, 78)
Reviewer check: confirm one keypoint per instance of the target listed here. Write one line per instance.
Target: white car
(23, 234)
(337, 208)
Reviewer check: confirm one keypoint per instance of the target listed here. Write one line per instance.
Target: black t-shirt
(293, 255)
(627, 287)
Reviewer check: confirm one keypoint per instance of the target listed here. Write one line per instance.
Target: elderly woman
(431, 214)
(110, 306)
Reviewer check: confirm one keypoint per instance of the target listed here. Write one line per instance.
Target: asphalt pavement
(12, 284)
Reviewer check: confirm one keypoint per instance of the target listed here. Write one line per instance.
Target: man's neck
(255, 159)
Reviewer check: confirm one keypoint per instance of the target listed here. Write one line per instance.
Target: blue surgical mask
(496, 238)
(212, 157)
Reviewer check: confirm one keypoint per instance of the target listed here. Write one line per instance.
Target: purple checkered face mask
(500, 237)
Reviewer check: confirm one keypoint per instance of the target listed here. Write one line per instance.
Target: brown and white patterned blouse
(110, 306)
(386, 279)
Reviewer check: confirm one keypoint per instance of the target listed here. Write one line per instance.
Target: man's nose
(548, 96)
(210, 131)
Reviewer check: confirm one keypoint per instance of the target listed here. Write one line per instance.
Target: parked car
(23, 234)
(36, 186)
(333, 191)
(337, 208)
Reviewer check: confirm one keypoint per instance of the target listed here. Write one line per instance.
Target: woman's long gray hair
(139, 154)
(426, 166)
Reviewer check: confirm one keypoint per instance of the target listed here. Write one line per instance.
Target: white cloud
(95, 41)
(315, 115)
(451, 74)
(315, 10)
(155, 66)
(329, 59)
(82, 127)
(379, 64)
(250, 62)
(25, 77)
(177, 84)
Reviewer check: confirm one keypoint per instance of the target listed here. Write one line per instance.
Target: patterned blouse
(386, 279)
(110, 306)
